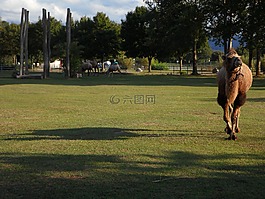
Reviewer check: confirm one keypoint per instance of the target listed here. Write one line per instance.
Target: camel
(112, 68)
(234, 80)
(90, 66)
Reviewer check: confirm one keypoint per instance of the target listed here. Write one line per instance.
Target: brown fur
(89, 66)
(234, 80)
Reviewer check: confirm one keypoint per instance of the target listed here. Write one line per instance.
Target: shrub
(125, 63)
(160, 66)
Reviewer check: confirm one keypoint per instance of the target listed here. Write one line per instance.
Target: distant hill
(221, 48)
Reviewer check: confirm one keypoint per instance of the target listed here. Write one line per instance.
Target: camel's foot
(233, 137)
(228, 130)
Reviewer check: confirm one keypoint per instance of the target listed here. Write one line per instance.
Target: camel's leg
(240, 101)
(234, 119)
(222, 101)
(237, 129)
(83, 72)
(231, 110)
(227, 117)
(96, 71)
(228, 129)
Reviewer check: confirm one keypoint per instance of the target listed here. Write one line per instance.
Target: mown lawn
(130, 136)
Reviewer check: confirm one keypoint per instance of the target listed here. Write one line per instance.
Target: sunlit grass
(66, 139)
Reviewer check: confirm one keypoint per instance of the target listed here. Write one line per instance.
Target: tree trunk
(250, 58)
(45, 44)
(68, 42)
(150, 64)
(102, 61)
(180, 64)
(26, 42)
(258, 64)
(225, 46)
(194, 58)
(230, 44)
(48, 43)
(21, 71)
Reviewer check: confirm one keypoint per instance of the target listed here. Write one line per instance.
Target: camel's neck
(234, 75)
(232, 85)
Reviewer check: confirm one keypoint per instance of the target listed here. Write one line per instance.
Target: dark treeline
(164, 29)
(97, 38)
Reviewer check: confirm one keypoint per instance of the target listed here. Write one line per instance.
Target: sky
(10, 10)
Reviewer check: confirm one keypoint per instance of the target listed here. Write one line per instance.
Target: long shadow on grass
(176, 174)
(260, 99)
(103, 133)
(130, 80)
(126, 79)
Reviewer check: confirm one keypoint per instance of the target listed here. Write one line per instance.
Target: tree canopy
(9, 41)
(138, 33)
(162, 29)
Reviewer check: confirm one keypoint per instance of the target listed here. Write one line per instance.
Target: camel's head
(232, 61)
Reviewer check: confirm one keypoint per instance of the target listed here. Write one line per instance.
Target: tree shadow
(260, 99)
(258, 84)
(104, 133)
(91, 133)
(176, 174)
(130, 80)
(124, 79)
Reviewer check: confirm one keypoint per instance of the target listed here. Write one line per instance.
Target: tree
(75, 57)
(176, 40)
(138, 33)
(83, 34)
(106, 35)
(58, 40)
(180, 28)
(35, 42)
(98, 38)
(57, 31)
(223, 20)
(9, 42)
(197, 31)
(253, 27)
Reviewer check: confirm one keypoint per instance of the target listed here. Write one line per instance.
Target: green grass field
(130, 136)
